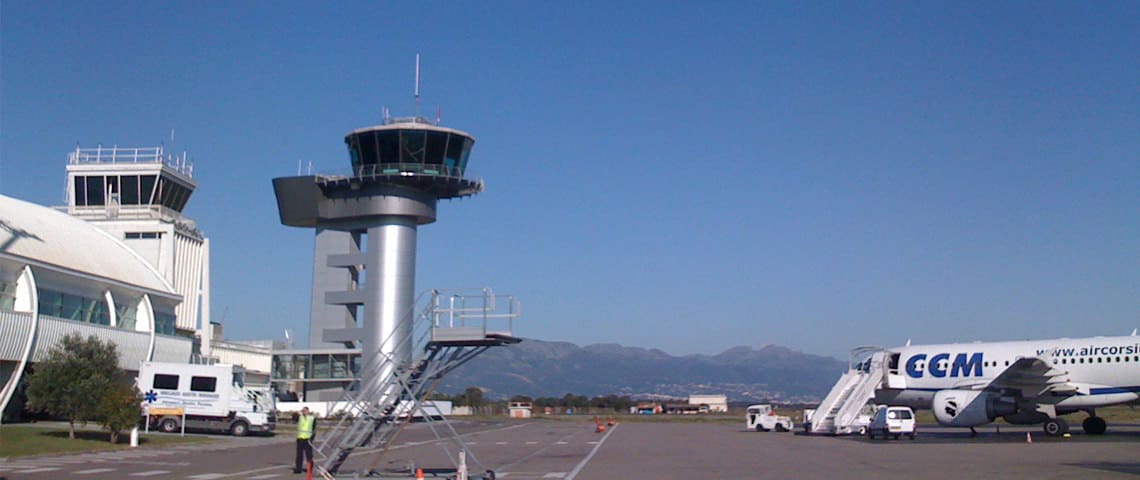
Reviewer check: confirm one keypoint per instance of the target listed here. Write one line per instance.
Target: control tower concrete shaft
(399, 172)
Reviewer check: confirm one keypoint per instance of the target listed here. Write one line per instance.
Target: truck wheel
(239, 428)
(780, 427)
(168, 425)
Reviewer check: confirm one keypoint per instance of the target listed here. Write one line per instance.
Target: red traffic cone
(419, 474)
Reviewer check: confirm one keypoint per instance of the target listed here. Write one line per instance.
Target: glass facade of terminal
(87, 310)
(73, 307)
(316, 366)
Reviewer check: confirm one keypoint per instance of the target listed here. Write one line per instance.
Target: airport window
(80, 194)
(203, 384)
(283, 367)
(320, 363)
(412, 146)
(340, 366)
(467, 142)
(164, 323)
(113, 184)
(436, 146)
(165, 382)
(130, 193)
(7, 296)
(454, 151)
(386, 149)
(139, 235)
(146, 189)
(94, 190)
(125, 313)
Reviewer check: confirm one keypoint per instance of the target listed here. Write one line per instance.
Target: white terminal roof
(41, 235)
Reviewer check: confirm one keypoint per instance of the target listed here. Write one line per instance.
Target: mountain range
(538, 368)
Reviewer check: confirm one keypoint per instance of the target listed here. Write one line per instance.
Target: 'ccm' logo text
(963, 366)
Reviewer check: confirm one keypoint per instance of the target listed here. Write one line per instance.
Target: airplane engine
(969, 408)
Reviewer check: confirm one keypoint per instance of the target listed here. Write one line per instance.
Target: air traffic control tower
(364, 270)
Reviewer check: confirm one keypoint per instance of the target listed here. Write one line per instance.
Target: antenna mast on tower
(416, 92)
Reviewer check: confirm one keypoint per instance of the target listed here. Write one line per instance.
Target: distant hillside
(552, 369)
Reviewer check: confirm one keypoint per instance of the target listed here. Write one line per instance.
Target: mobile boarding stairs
(451, 329)
(848, 406)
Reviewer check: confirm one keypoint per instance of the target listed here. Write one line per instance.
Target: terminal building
(120, 261)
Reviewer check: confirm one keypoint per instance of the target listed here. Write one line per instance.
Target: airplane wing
(1033, 377)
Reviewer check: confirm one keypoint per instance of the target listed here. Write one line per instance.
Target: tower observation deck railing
(443, 180)
(125, 155)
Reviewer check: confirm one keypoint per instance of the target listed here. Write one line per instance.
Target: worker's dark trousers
(304, 448)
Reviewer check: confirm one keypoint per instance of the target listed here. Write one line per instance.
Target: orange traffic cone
(309, 471)
(1028, 438)
(419, 474)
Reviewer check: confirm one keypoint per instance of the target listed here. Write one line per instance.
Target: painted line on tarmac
(561, 441)
(39, 470)
(93, 470)
(582, 464)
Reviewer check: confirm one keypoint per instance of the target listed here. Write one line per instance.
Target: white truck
(762, 418)
(204, 397)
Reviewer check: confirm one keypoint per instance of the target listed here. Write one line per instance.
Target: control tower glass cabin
(415, 153)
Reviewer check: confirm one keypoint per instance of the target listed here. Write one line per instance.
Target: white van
(207, 397)
(892, 421)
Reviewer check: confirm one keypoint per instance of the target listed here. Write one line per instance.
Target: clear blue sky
(683, 175)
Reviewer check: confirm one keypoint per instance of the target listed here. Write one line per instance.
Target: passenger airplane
(1026, 382)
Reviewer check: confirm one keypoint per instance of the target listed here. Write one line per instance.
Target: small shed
(520, 409)
(715, 403)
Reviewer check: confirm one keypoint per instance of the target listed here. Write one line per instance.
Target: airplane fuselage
(1104, 370)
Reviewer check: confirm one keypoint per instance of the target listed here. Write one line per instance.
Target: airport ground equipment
(451, 329)
(366, 223)
(180, 396)
(763, 418)
(845, 409)
(891, 421)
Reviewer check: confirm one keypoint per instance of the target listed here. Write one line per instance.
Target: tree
(119, 409)
(73, 379)
(472, 397)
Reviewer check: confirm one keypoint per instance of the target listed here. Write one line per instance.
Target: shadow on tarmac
(954, 436)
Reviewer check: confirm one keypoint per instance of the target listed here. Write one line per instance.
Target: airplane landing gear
(1094, 425)
(1055, 427)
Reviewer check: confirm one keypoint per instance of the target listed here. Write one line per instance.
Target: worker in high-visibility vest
(306, 428)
